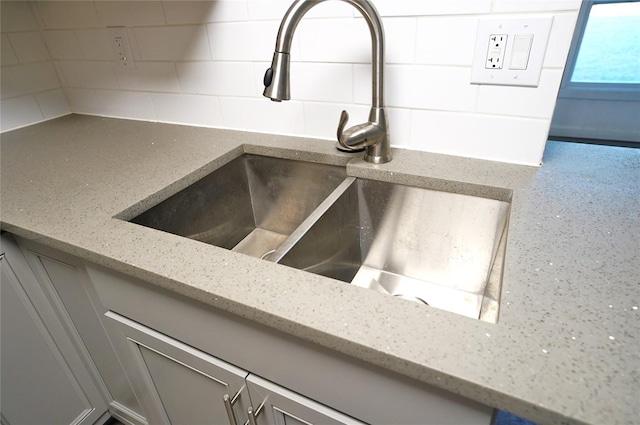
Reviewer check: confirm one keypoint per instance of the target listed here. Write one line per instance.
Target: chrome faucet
(373, 136)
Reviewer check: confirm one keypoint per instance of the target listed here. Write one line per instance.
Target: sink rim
(490, 301)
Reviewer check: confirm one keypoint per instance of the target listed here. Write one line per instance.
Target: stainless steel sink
(250, 205)
(438, 248)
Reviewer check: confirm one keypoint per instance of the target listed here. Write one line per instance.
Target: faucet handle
(342, 145)
(344, 118)
(358, 137)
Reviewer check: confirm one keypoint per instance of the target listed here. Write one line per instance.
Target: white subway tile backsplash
(510, 6)
(17, 16)
(321, 119)
(242, 41)
(128, 104)
(267, 9)
(89, 75)
(149, 77)
(349, 40)
(182, 43)
(188, 109)
(432, 7)
(262, 115)
(518, 140)
(63, 44)
(8, 56)
(202, 12)
(217, 78)
(53, 103)
(435, 87)
(29, 47)
(334, 40)
(330, 9)
(362, 84)
(401, 34)
(446, 40)
(399, 126)
(328, 82)
(560, 39)
(202, 63)
(95, 44)
(276, 9)
(18, 112)
(83, 101)
(522, 101)
(421, 87)
(19, 80)
(68, 14)
(59, 74)
(130, 13)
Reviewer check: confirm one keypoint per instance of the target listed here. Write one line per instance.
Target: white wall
(202, 63)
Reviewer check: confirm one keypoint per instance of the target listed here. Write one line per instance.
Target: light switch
(520, 51)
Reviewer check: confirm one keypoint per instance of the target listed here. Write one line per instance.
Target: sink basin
(438, 248)
(250, 205)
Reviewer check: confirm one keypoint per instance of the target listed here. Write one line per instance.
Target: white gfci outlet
(496, 50)
(121, 48)
(510, 51)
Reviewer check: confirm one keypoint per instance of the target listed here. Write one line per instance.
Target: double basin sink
(438, 248)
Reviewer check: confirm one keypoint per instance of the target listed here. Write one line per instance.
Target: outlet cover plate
(539, 27)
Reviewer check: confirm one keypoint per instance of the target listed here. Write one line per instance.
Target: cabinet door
(43, 380)
(67, 285)
(278, 406)
(176, 383)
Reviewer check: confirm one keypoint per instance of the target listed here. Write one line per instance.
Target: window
(600, 93)
(610, 49)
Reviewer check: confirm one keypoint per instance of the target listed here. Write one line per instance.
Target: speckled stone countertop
(566, 348)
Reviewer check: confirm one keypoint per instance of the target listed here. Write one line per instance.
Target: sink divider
(304, 227)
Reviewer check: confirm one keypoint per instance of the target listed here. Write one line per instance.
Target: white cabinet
(272, 359)
(179, 384)
(66, 284)
(44, 379)
(152, 356)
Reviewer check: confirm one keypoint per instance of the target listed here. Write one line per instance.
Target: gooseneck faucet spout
(373, 136)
